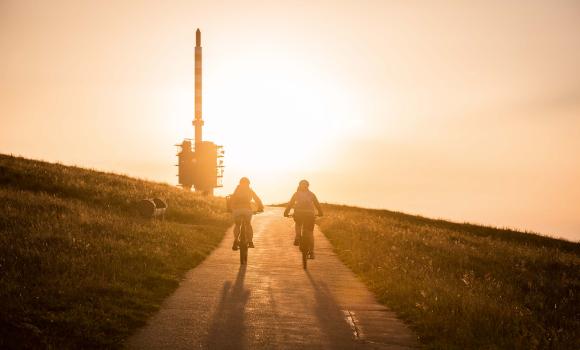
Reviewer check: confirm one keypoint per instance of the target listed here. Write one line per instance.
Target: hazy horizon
(461, 110)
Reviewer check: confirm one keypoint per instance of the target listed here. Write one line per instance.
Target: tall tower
(200, 166)
(198, 121)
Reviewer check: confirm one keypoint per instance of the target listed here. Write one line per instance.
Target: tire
(304, 251)
(243, 245)
(306, 247)
(244, 255)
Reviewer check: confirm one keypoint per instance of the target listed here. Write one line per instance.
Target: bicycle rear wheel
(243, 245)
(306, 246)
(244, 255)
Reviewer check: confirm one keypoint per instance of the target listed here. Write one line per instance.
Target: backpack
(304, 201)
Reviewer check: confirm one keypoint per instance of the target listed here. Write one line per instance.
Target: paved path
(272, 303)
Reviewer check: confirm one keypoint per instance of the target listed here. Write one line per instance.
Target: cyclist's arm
(258, 201)
(290, 204)
(317, 205)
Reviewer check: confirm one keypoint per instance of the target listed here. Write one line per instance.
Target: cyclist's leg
(238, 222)
(237, 228)
(249, 229)
(298, 228)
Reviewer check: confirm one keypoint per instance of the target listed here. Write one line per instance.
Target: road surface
(272, 303)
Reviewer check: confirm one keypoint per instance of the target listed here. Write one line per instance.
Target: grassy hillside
(464, 286)
(78, 267)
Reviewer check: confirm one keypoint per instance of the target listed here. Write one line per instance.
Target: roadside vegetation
(464, 286)
(78, 267)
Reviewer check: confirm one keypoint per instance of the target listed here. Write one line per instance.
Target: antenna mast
(198, 121)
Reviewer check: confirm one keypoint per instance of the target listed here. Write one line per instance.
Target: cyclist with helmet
(305, 206)
(240, 202)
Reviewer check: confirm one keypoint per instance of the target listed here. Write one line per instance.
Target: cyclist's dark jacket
(242, 198)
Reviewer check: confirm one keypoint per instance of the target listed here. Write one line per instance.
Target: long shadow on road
(331, 318)
(228, 330)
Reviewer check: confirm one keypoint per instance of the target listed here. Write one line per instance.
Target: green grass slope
(463, 286)
(78, 267)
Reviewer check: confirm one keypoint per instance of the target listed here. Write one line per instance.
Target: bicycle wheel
(304, 250)
(244, 255)
(243, 245)
(308, 239)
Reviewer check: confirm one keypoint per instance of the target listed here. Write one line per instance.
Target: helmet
(244, 181)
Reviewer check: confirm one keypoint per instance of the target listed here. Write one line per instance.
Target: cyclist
(240, 202)
(305, 205)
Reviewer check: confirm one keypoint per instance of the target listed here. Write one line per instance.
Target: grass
(78, 267)
(463, 286)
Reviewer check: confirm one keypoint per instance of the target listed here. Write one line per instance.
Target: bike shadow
(228, 330)
(331, 317)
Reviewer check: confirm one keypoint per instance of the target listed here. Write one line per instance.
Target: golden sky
(464, 110)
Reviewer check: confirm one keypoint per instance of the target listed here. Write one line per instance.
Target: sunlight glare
(277, 112)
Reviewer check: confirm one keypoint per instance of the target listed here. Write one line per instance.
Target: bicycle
(306, 244)
(243, 245)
